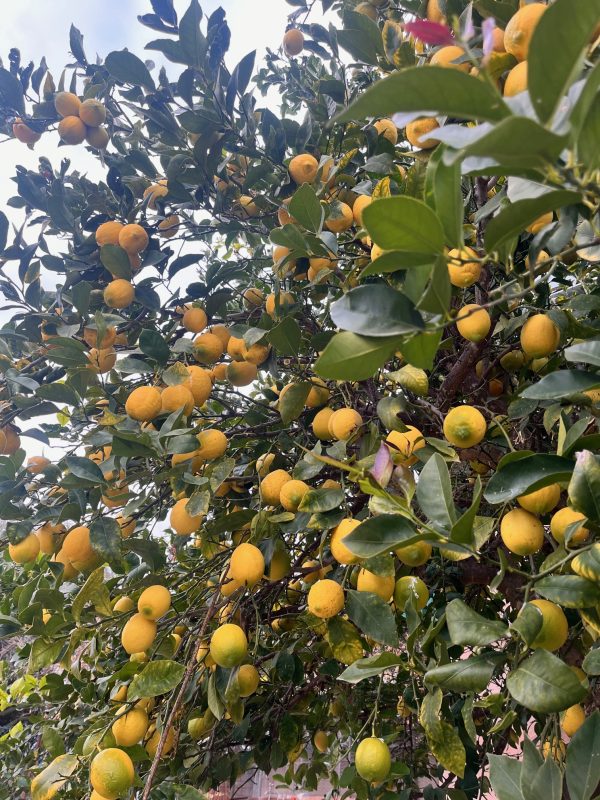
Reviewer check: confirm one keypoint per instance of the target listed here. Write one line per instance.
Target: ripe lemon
(321, 741)
(247, 565)
(363, 200)
(555, 628)
(519, 30)
(447, 57)
(228, 645)
(138, 634)
(516, 80)
(318, 395)
(253, 298)
(320, 424)
(560, 522)
(112, 773)
(154, 602)
(314, 575)
(45, 536)
(194, 319)
(539, 336)
(154, 739)
(177, 398)
(403, 445)
(208, 348)
(199, 727)
(341, 553)
(263, 463)
(24, 133)
(473, 322)
(381, 585)
(123, 605)
(247, 679)
(108, 233)
(522, 532)
(572, 719)
(26, 550)
(277, 305)
(325, 598)
(212, 444)
(241, 373)
(102, 361)
(434, 13)
(199, 384)
(271, 485)
(67, 104)
(464, 426)
(340, 218)
(77, 547)
(133, 238)
(407, 586)
(414, 555)
(119, 293)
(130, 727)
(303, 168)
(181, 521)
(417, 129)
(540, 223)
(109, 337)
(542, 500)
(293, 42)
(92, 112)
(344, 423)
(144, 403)
(373, 760)
(292, 493)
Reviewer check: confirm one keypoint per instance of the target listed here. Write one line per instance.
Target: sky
(41, 28)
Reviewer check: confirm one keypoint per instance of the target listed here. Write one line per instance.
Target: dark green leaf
(380, 534)
(319, 500)
(393, 261)
(404, 223)
(562, 383)
(434, 493)
(420, 350)
(291, 405)
(584, 352)
(94, 591)
(286, 337)
(526, 475)
(528, 623)
(591, 662)
(157, 677)
(360, 36)
(373, 616)
(443, 194)
(434, 90)
(152, 344)
(350, 357)
(128, 68)
(505, 777)
(583, 765)
(467, 627)
(105, 538)
(584, 488)
(368, 667)
(306, 208)
(556, 52)
(375, 310)
(85, 470)
(569, 591)
(467, 675)
(11, 93)
(192, 42)
(116, 261)
(545, 684)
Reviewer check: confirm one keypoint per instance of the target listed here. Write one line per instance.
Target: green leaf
(85, 470)
(344, 639)
(462, 530)
(373, 616)
(128, 68)
(444, 195)
(420, 350)
(435, 90)
(582, 764)
(404, 223)
(157, 677)
(467, 675)
(306, 208)
(192, 41)
(501, 10)
(381, 534)
(514, 218)
(562, 383)
(368, 667)
(587, 149)
(528, 623)
(58, 393)
(591, 662)
(350, 357)
(11, 92)
(105, 538)
(434, 493)
(319, 500)
(584, 488)
(393, 260)
(43, 654)
(286, 337)
(116, 261)
(376, 310)
(569, 591)
(48, 782)
(81, 296)
(505, 777)
(152, 344)
(94, 591)
(291, 405)
(556, 52)
(467, 627)
(526, 475)
(584, 352)
(360, 36)
(290, 236)
(545, 684)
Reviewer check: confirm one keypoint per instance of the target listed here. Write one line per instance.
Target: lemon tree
(299, 400)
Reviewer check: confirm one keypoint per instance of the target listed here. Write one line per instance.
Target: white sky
(41, 28)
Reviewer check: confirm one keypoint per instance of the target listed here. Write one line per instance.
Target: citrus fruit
(473, 322)
(325, 598)
(341, 553)
(407, 586)
(519, 29)
(26, 550)
(92, 112)
(561, 520)
(119, 293)
(133, 238)
(247, 565)
(415, 131)
(373, 760)
(320, 423)
(522, 532)
(540, 501)
(247, 679)
(194, 319)
(102, 360)
(321, 741)
(516, 80)
(293, 42)
(464, 426)
(108, 233)
(381, 585)
(72, 130)
(271, 485)
(112, 773)
(138, 634)
(208, 348)
(144, 403)
(403, 445)
(413, 379)
(67, 104)
(340, 218)
(212, 444)
(182, 522)
(130, 726)
(555, 628)
(177, 398)
(344, 423)
(539, 336)
(292, 493)
(414, 555)
(228, 645)
(199, 384)
(303, 168)
(154, 602)
(448, 57)
(572, 719)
